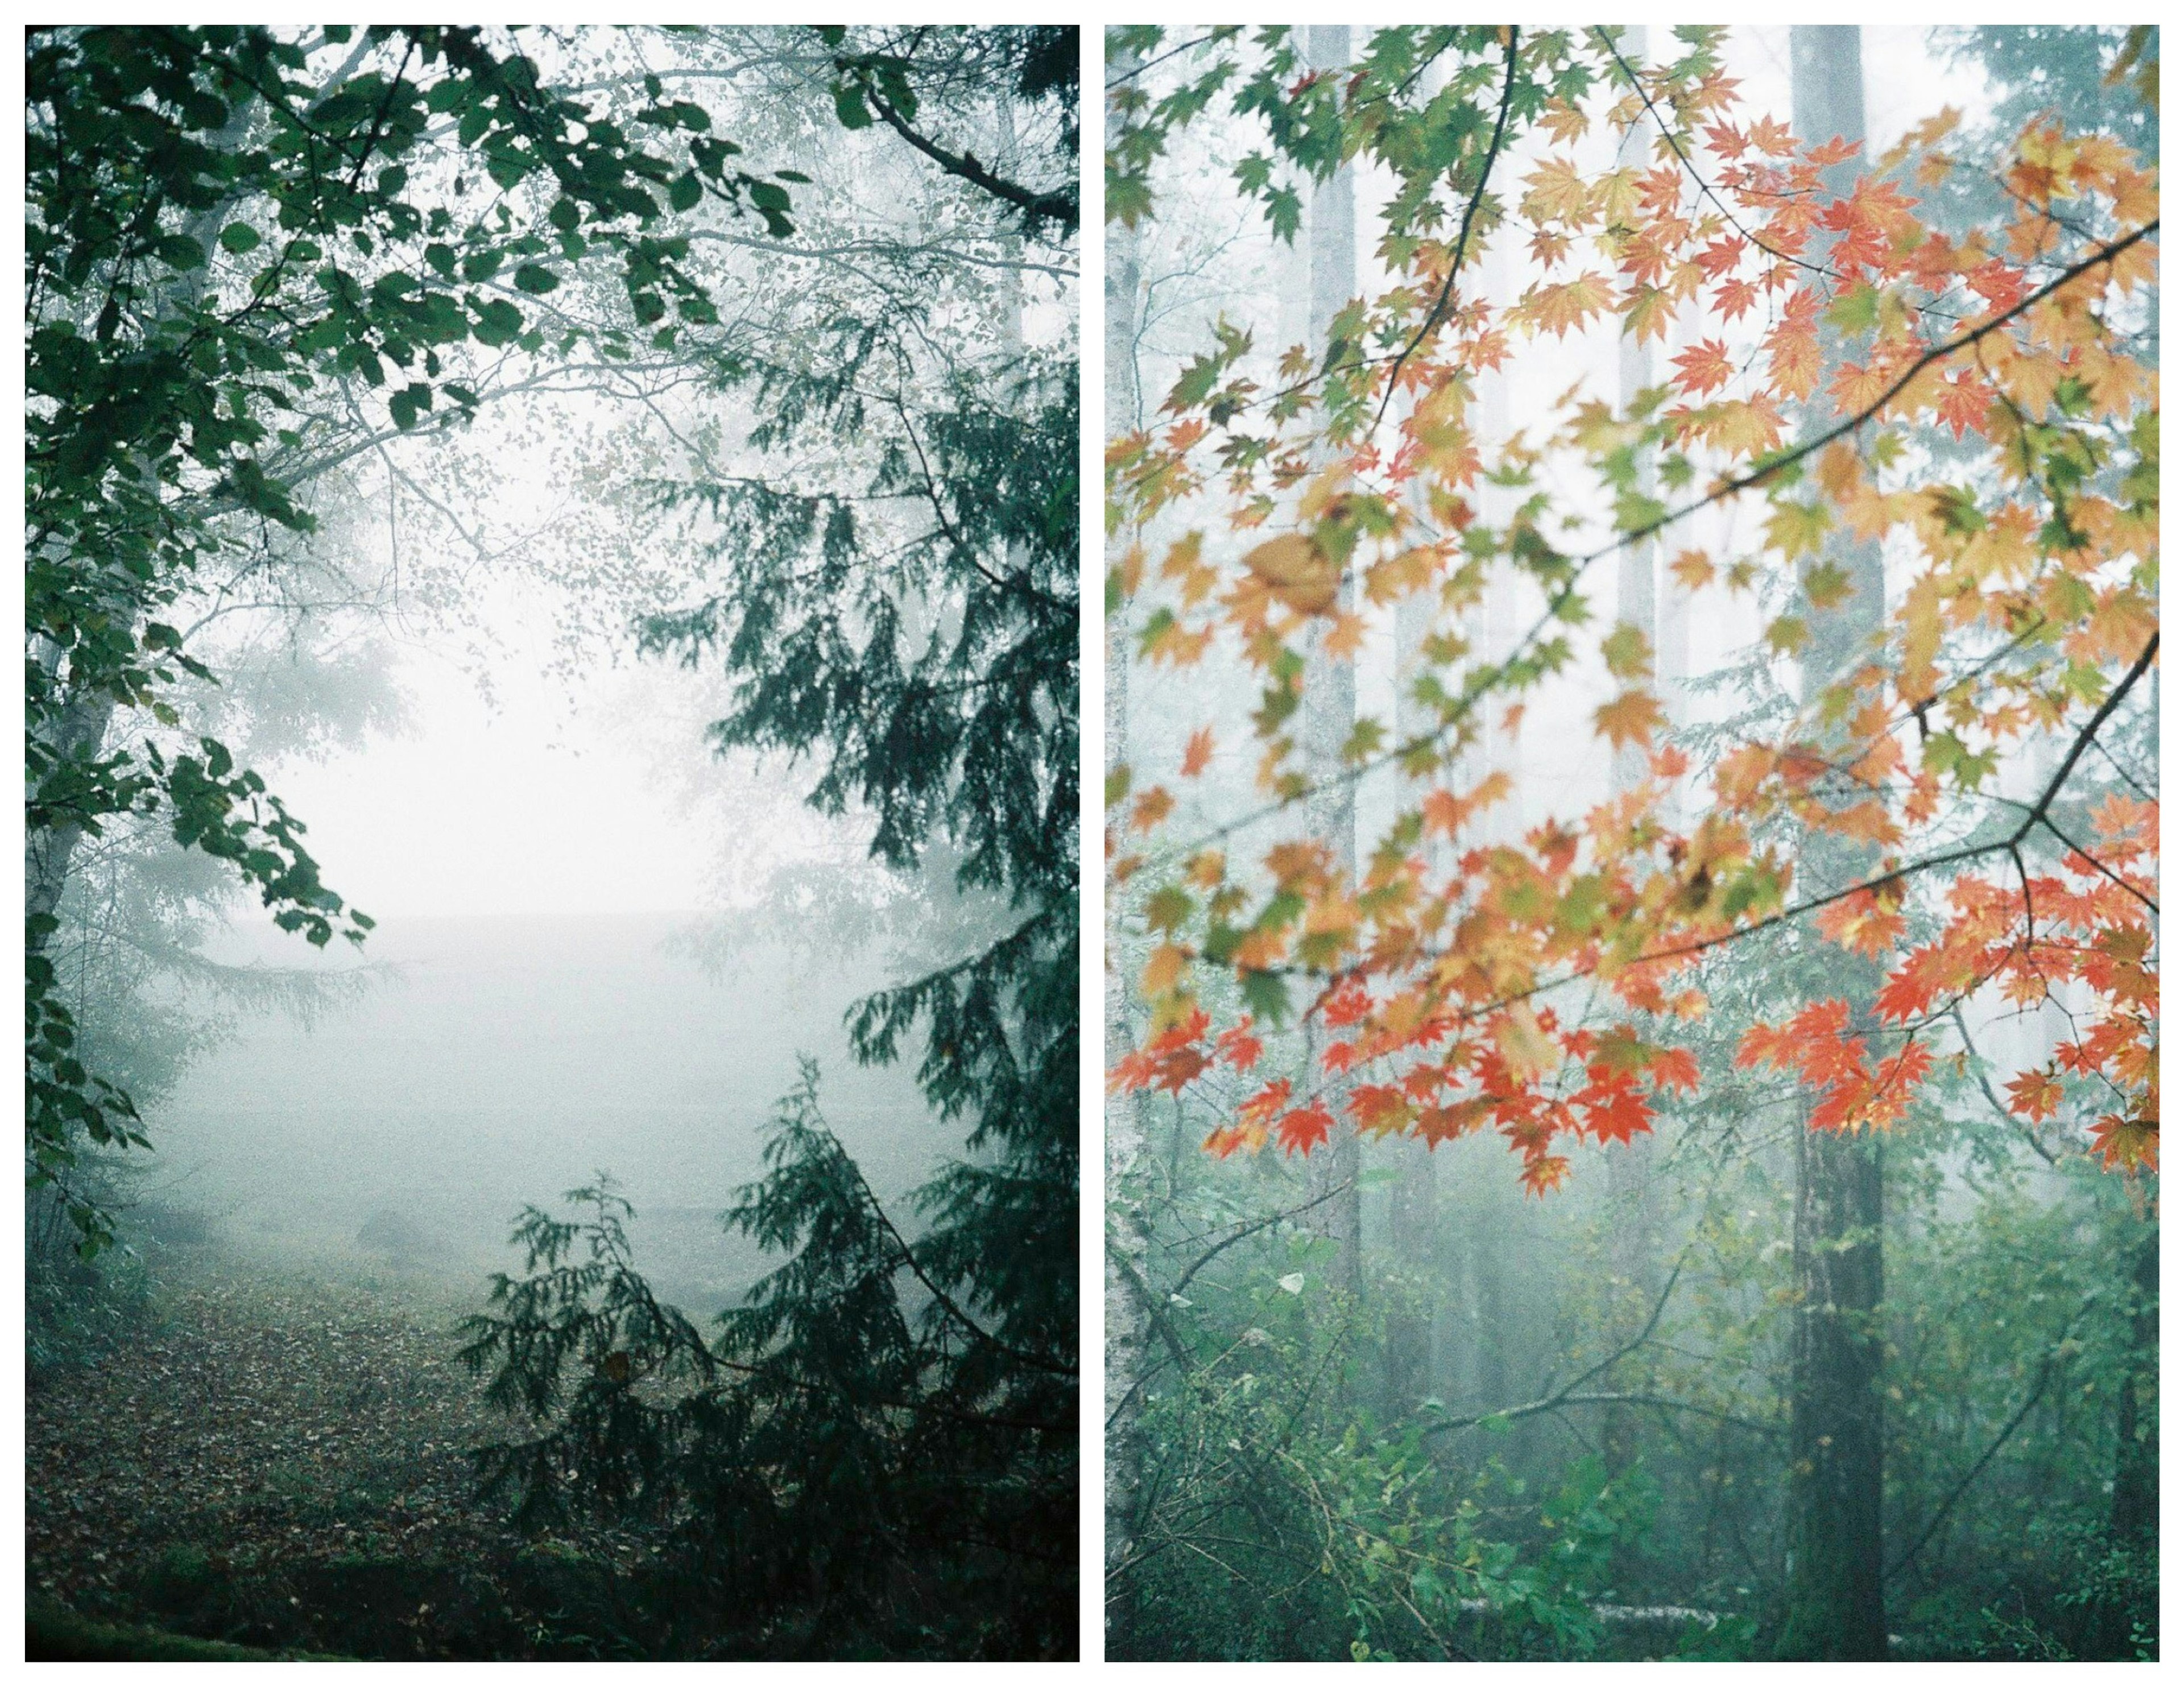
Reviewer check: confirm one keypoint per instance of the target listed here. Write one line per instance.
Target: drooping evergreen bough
(876, 1453)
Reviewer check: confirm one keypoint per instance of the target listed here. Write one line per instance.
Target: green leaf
(1268, 996)
(1168, 909)
(535, 278)
(239, 238)
(179, 252)
(1856, 309)
(849, 106)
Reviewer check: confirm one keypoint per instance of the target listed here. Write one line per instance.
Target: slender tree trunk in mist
(1330, 686)
(2134, 1503)
(1834, 1596)
(47, 854)
(1413, 1207)
(1634, 1223)
(1126, 1230)
(1410, 1362)
(1476, 1365)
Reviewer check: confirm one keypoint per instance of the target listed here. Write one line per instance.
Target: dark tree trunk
(1834, 1597)
(2134, 1508)
(1835, 1605)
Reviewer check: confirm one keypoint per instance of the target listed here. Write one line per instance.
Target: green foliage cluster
(881, 1440)
(212, 231)
(1280, 1516)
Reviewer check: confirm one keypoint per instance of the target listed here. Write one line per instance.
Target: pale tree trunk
(1634, 1219)
(1410, 1360)
(85, 718)
(1475, 1367)
(1126, 1226)
(1834, 1596)
(1414, 1199)
(1330, 685)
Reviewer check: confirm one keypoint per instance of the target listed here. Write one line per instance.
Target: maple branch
(1977, 1065)
(1625, 538)
(2034, 815)
(1220, 33)
(2100, 866)
(1463, 232)
(1968, 852)
(1707, 188)
(1771, 465)
(1685, 158)
(2108, 756)
(2086, 735)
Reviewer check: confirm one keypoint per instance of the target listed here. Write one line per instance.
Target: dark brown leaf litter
(277, 1445)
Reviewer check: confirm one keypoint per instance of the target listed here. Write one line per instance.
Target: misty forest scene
(551, 846)
(1631, 785)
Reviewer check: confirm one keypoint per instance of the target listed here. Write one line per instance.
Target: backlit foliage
(1852, 369)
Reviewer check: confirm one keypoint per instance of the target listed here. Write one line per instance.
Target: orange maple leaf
(1703, 367)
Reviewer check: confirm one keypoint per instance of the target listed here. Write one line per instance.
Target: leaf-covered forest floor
(276, 1457)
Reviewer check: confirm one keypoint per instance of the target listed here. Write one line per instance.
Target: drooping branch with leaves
(1986, 417)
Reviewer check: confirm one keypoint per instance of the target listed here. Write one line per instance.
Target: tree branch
(1058, 206)
(1463, 232)
(1568, 1394)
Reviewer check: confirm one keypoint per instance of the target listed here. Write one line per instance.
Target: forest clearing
(275, 1457)
(603, 499)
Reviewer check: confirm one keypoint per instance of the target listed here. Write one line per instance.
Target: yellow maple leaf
(1531, 1052)
(1556, 308)
(1647, 314)
(1631, 718)
(1164, 970)
(1558, 194)
(1296, 571)
(1345, 636)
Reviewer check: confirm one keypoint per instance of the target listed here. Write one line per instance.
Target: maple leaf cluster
(1437, 977)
